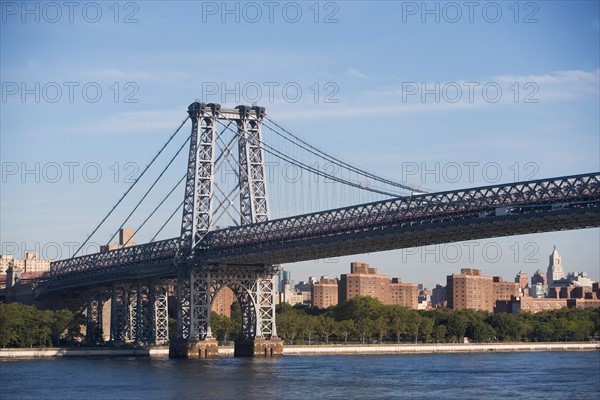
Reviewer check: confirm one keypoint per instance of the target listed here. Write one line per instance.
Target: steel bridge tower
(198, 283)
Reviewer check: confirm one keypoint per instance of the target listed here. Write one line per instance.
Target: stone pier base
(258, 348)
(206, 348)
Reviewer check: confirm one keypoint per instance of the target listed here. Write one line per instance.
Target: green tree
(288, 326)
(397, 321)
(346, 328)
(326, 327)
(308, 326)
(363, 329)
(223, 328)
(440, 333)
(381, 327)
(507, 326)
(426, 328)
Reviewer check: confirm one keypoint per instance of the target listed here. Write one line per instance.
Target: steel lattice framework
(203, 260)
(194, 280)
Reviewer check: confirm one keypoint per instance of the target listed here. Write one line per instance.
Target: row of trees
(362, 319)
(26, 326)
(365, 319)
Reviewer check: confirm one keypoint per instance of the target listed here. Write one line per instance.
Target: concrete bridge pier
(259, 347)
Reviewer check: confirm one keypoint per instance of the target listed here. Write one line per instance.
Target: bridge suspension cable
(151, 187)
(335, 160)
(167, 221)
(155, 210)
(293, 161)
(131, 187)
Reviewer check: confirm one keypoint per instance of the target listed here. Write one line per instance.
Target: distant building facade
(325, 292)
(404, 294)
(438, 296)
(126, 239)
(223, 301)
(364, 280)
(30, 263)
(505, 290)
(470, 290)
(522, 280)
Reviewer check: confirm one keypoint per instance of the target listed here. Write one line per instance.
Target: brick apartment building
(364, 280)
(471, 290)
(325, 293)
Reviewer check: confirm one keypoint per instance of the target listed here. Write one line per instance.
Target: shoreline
(291, 350)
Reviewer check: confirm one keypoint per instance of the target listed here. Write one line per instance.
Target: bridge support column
(193, 336)
(256, 294)
(159, 301)
(94, 328)
(139, 312)
(120, 321)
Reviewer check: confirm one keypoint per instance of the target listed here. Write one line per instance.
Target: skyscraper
(555, 268)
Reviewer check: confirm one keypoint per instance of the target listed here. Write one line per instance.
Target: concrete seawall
(438, 348)
(311, 350)
(89, 352)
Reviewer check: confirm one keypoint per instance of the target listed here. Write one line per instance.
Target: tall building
(404, 294)
(363, 281)
(470, 290)
(325, 293)
(555, 269)
(282, 278)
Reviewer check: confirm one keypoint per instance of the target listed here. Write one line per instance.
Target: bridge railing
(499, 200)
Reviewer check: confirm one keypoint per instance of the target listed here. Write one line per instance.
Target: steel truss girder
(570, 202)
(525, 207)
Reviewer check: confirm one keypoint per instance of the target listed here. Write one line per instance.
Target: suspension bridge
(229, 238)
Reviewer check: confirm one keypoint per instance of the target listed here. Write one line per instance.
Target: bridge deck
(544, 205)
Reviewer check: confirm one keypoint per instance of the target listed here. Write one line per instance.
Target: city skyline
(509, 276)
(63, 168)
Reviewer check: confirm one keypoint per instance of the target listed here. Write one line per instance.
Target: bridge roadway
(571, 202)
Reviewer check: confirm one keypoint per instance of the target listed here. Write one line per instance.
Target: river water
(524, 375)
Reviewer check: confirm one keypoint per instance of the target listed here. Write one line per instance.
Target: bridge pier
(259, 347)
(190, 348)
(254, 289)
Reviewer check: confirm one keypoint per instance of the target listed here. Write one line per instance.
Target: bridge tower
(198, 283)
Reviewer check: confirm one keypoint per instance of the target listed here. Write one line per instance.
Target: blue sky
(89, 94)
